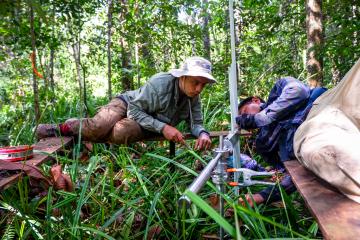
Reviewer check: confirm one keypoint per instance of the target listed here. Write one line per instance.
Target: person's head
(193, 75)
(250, 105)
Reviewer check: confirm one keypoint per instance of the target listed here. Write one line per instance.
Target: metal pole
(221, 178)
(200, 181)
(234, 96)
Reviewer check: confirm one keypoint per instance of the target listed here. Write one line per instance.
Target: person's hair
(248, 100)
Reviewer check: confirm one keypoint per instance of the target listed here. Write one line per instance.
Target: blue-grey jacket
(280, 113)
(287, 107)
(159, 102)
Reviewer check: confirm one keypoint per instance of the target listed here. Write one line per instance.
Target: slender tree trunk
(174, 51)
(52, 83)
(238, 31)
(85, 90)
(76, 55)
(193, 42)
(110, 9)
(126, 79)
(43, 72)
(355, 18)
(314, 30)
(52, 55)
(35, 84)
(206, 33)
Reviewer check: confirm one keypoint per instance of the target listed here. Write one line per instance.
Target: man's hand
(255, 198)
(246, 121)
(172, 134)
(203, 142)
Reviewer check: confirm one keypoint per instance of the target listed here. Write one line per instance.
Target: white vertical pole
(233, 94)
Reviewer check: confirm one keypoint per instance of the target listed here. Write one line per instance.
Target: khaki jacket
(328, 142)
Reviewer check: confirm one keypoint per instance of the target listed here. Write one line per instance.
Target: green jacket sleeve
(147, 101)
(196, 123)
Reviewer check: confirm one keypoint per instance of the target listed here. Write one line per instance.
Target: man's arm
(293, 94)
(197, 128)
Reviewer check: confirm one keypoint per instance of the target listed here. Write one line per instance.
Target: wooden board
(338, 216)
(47, 146)
(42, 152)
(190, 136)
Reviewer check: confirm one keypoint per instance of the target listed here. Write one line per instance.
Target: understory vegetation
(132, 192)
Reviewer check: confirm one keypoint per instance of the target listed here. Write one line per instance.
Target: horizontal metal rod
(204, 175)
(201, 179)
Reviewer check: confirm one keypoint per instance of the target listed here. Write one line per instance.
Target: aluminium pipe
(199, 182)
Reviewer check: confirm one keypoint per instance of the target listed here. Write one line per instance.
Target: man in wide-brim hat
(157, 107)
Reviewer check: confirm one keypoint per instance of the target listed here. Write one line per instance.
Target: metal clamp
(247, 174)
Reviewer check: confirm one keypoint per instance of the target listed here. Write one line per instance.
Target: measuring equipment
(246, 177)
(16, 153)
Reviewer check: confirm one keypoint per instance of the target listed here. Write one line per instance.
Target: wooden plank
(47, 146)
(42, 152)
(213, 134)
(8, 181)
(338, 216)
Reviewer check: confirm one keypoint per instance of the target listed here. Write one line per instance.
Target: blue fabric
(246, 162)
(283, 149)
(288, 105)
(286, 97)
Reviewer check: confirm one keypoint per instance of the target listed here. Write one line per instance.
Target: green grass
(123, 194)
(129, 192)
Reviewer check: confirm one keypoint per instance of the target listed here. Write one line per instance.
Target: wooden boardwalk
(338, 216)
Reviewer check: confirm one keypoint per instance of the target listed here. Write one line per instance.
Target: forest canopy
(86, 50)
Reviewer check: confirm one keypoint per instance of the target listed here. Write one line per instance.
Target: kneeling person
(155, 108)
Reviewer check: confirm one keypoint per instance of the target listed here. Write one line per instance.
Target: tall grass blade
(48, 213)
(127, 226)
(93, 162)
(142, 184)
(100, 233)
(237, 225)
(151, 212)
(33, 223)
(251, 213)
(211, 212)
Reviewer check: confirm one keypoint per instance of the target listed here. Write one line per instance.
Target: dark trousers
(276, 158)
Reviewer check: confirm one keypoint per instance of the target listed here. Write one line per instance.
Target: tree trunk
(43, 72)
(85, 90)
(76, 55)
(52, 55)
(110, 9)
(355, 16)
(35, 84)
(52, 83)
(314, 30)
(206, 33)
(126, 79)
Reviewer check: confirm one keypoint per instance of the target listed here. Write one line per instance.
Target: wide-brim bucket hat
(195, 66)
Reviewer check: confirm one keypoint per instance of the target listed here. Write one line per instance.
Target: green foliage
(129, 192)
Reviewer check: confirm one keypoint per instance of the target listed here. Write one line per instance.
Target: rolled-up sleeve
(293, 94)
(144, 103)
